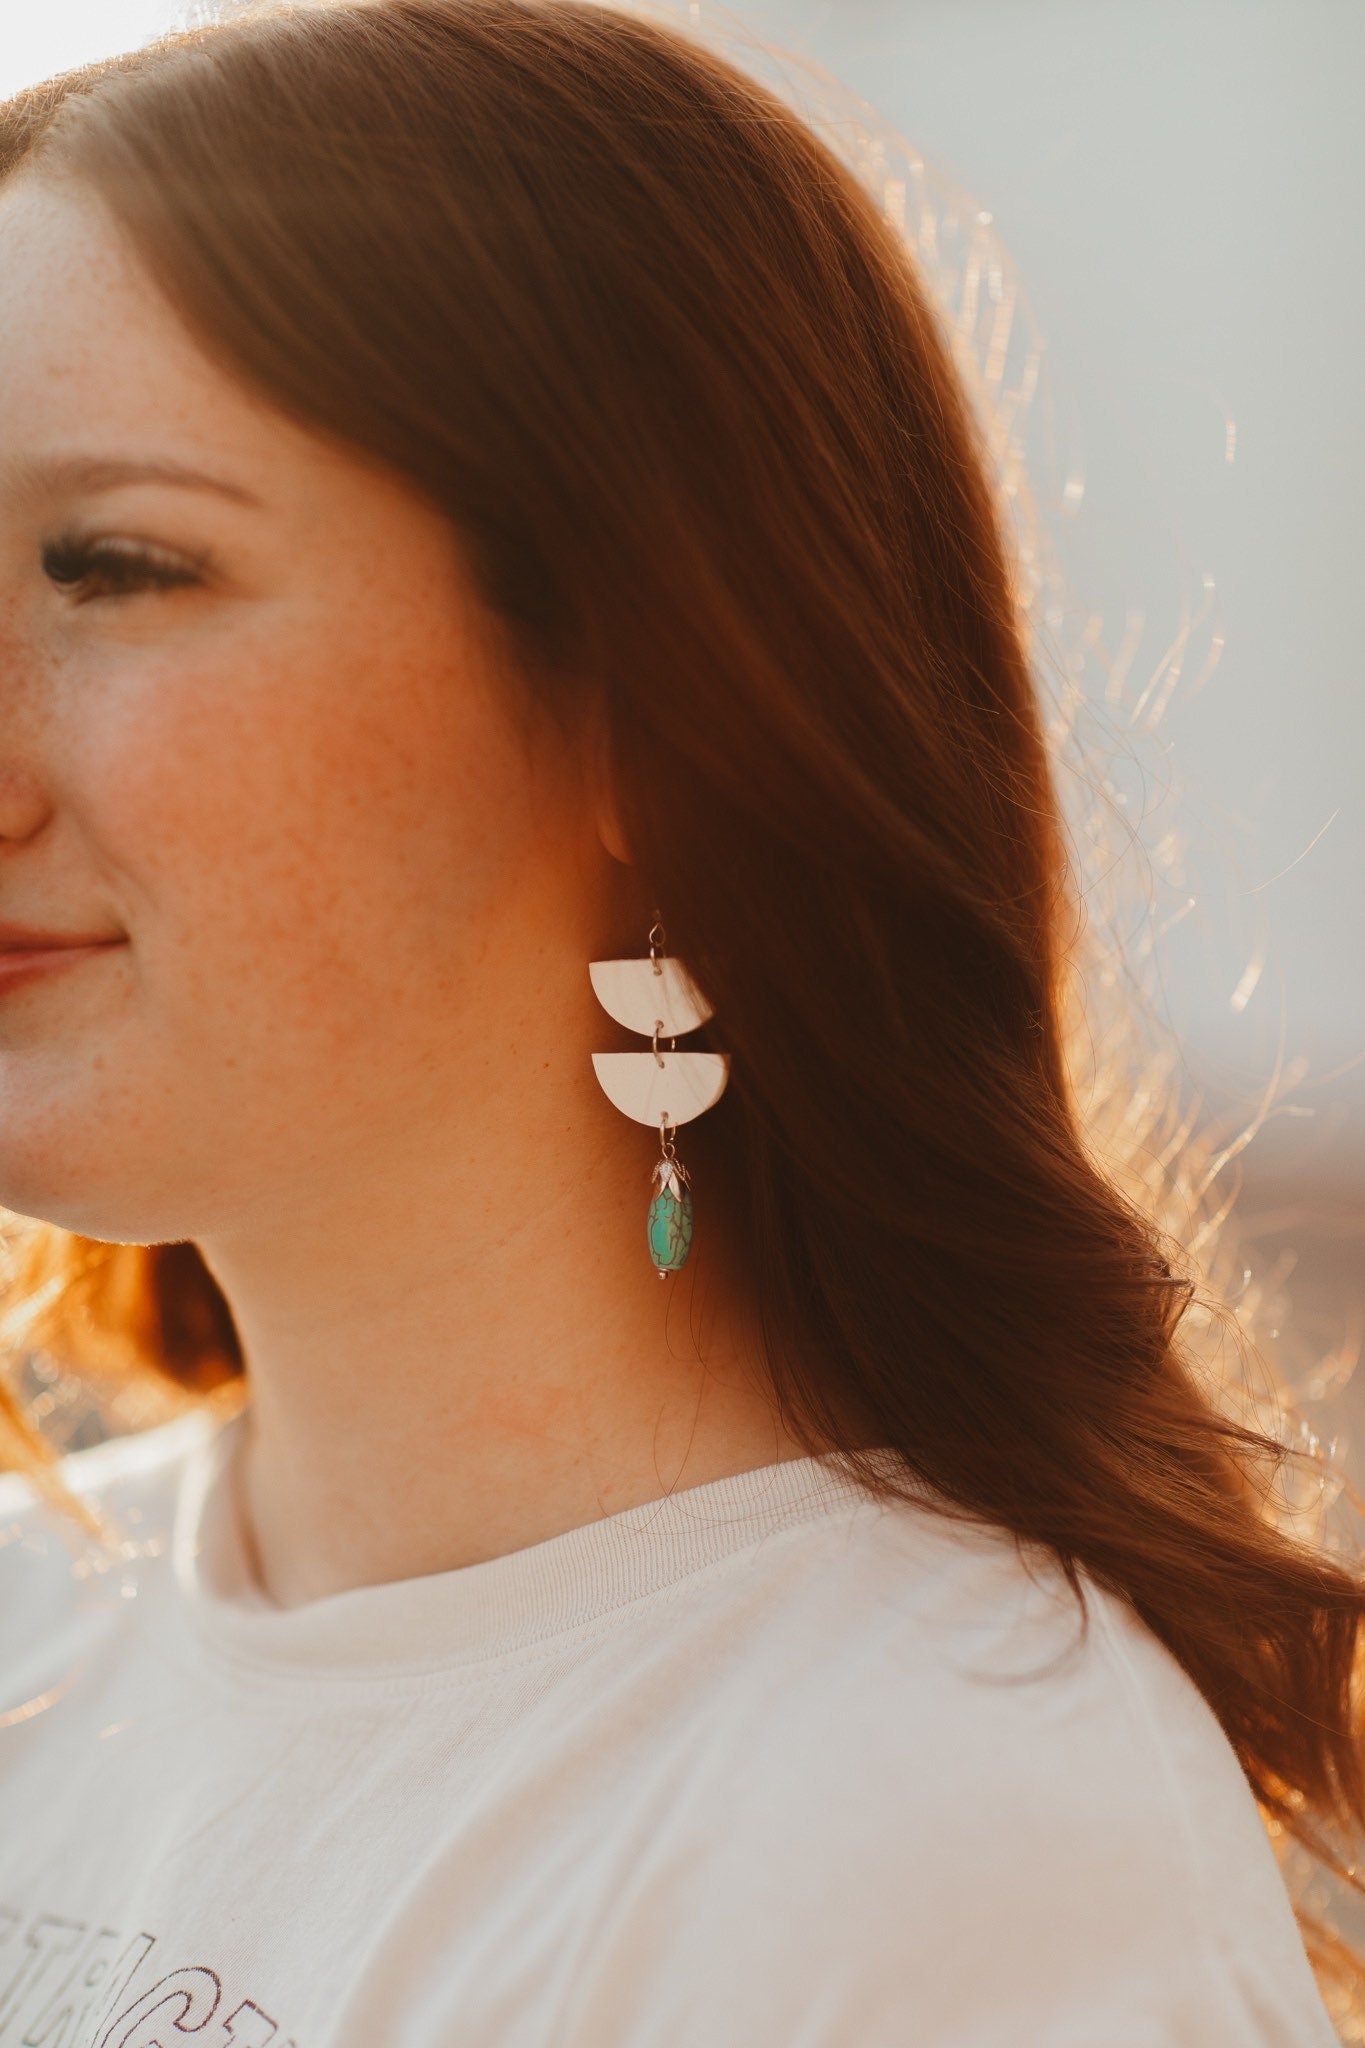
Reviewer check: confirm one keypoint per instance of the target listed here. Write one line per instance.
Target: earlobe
(610, 833)
(606, 814)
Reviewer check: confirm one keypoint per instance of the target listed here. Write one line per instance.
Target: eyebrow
(25, 475)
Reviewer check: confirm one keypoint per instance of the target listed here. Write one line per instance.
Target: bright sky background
(39, 41)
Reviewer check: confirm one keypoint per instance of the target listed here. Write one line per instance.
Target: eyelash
(71, 564)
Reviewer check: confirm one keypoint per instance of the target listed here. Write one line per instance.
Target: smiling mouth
(24, 963)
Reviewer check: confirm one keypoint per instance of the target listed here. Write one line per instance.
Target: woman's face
(246, 729)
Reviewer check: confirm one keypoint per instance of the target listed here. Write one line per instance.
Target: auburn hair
(682, 387)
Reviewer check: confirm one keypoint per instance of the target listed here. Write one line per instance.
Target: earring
(658, 998)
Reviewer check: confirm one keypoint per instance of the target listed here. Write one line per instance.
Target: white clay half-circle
(632, 993)
(686, 1084)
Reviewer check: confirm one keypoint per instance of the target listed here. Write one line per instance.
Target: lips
(27, 954)
(18, 938)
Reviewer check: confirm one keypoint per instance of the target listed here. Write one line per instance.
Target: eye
(110, 568)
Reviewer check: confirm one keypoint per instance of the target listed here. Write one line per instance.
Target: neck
(479, 1355)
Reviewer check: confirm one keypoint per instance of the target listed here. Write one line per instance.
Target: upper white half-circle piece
(685, 1085)
(632, 993)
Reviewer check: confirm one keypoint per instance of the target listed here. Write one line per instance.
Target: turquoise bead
(669, 1229)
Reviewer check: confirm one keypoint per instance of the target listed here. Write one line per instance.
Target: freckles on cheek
(191, 811)
(429, 787)
(185, 793)
(319, 810)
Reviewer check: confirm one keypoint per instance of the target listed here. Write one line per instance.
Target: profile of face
(248, 729)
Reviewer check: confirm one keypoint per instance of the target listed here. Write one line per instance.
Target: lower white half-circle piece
(682, 1087)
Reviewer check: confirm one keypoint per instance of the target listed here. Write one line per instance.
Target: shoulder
(945, 1800)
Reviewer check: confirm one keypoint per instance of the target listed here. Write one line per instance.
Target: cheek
(309, 830)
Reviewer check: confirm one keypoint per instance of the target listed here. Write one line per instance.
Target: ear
(606, 812)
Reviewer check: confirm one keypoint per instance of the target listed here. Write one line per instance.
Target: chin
(69, 1196)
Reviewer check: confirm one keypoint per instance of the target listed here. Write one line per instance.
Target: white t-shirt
(757, 1765)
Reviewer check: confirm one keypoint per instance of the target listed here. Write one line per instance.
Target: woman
(507, 642)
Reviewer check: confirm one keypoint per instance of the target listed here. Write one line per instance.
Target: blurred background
(1174, 184)
(1179, 187)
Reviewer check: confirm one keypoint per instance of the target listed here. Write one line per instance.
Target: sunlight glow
(38, 42)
